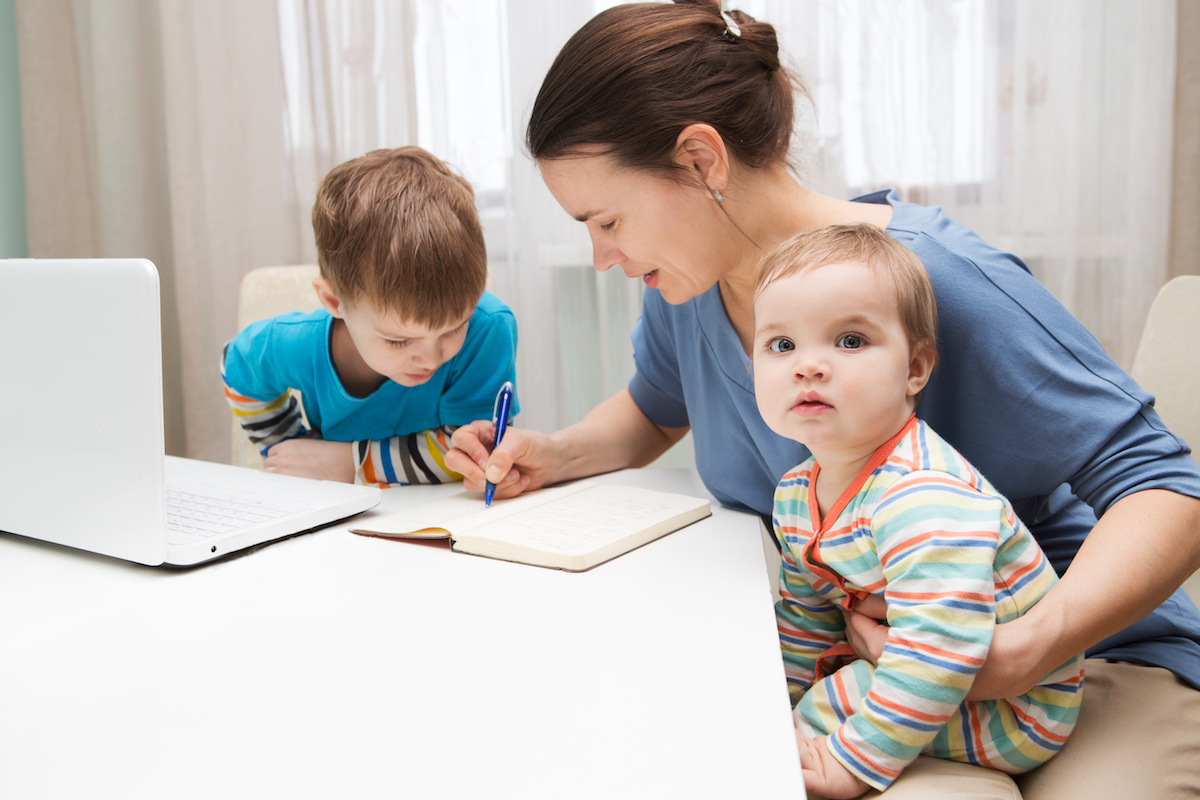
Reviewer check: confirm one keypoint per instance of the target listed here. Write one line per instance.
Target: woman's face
(664, 232)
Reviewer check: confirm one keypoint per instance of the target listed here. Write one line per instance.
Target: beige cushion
(269, 292)
(1167, 365)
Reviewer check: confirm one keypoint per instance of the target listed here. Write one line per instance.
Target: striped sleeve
(266, 422)
(936, 538)
(808, 624)
(405, 460)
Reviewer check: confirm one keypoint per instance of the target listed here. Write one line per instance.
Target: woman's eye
(851, 341)
(781, 345)
(608, 226)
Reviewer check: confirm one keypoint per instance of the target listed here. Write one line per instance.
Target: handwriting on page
(581, 523)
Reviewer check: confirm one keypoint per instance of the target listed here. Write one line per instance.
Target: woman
(665, 129)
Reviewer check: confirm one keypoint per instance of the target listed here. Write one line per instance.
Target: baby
(845, 340)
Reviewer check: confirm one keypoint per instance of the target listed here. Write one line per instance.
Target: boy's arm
(808, 623)
(936, 539)
(266, 422)
(403, 460)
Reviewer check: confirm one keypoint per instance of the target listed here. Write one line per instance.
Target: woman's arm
(614, 435)
(1142, 550)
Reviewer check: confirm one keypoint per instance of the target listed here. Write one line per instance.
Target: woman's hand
(824, 774)
(312, 458)
(524, 460)
(865, 631)
(614, 435)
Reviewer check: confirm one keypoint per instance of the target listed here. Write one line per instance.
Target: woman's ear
(701, 150)
(327, 298)
(920, 367)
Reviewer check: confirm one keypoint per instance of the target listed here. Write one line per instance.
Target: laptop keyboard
(194, 517)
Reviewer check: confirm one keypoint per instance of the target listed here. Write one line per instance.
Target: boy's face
(406, 352)
(832, 368)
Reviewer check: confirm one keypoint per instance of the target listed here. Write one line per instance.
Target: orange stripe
(861, 756)
(1037, 726)
(935, 595)
(935, 650)
(843, 698)
(914, 542)
(368, 467)
(908, 712)
(235, 396)
(978, 730)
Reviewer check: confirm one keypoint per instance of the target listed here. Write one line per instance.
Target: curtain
(152, 129)
(1046, 127)
(194, 134)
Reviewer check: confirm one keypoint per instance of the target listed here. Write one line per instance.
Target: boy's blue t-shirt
(1021, 389)
(291, 351)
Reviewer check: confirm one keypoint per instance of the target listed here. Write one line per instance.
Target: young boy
(845, 340)
(407, 346)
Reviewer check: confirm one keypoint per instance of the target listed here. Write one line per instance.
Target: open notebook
(82, 452)
(572, 527)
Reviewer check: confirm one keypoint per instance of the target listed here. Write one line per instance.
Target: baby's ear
(327, 298)
(920, 367)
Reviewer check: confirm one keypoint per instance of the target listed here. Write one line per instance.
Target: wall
(12, 170)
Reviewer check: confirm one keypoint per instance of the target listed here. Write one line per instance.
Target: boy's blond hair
(399, 229)
(870, 245)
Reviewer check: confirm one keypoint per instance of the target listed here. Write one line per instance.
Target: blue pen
(500, 418)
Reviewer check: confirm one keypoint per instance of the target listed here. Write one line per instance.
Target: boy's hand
(824, 774)
(312, 458)
(520, 463)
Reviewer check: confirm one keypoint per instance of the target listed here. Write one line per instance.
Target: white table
(334, 665)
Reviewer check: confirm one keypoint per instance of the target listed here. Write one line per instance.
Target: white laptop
(81, 429)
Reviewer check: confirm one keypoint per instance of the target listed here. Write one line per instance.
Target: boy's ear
(920, 367)
(327, 298)
(701, 150)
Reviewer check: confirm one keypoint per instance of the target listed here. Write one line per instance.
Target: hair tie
(731, 27)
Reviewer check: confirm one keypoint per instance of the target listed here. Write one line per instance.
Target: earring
(720, 198)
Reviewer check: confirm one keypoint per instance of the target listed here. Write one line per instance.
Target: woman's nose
(604, 255)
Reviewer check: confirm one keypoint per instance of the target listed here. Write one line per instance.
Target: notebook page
(584, 522)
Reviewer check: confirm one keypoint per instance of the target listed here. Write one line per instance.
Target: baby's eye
(851, 341)
(781, 345)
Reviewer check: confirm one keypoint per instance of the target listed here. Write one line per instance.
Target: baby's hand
(312, 458)
(824, 774)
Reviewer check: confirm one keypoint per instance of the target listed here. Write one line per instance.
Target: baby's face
(832, 368)
(406, 352)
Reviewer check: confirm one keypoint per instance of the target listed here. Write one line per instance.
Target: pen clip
(507, 387)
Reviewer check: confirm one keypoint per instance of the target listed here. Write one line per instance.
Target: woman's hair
(864, 244)
(636, 75)
(399, 229)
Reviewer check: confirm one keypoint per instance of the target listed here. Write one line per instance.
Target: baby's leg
(830, 701)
